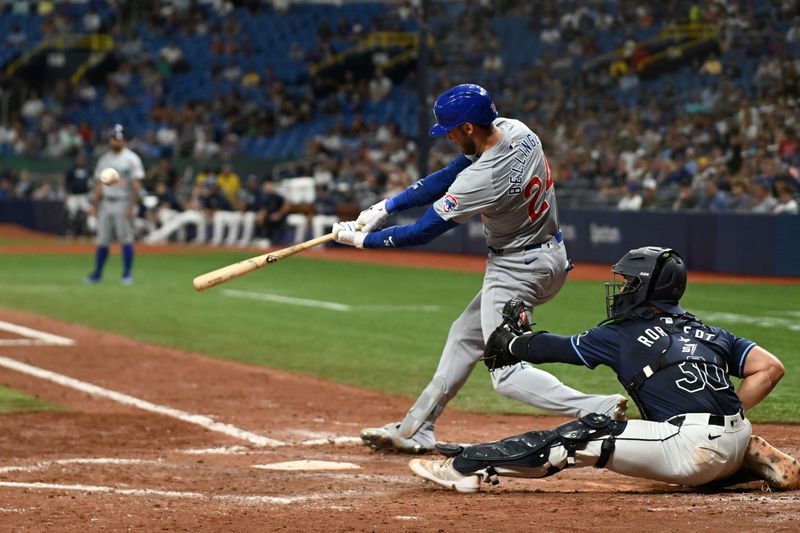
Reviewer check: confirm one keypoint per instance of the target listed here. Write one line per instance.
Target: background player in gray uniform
(115, 204)
(504, 177)
(674, 367)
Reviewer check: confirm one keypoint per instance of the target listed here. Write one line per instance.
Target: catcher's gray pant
(535, 276)
(112, 222)
(693, 453)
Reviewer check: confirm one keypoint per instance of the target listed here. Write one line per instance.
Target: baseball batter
(674, 367)
(115, 204)
(504, 177)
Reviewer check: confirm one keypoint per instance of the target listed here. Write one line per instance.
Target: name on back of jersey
(650, 335)
(524, 149)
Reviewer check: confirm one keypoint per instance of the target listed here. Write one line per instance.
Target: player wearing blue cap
(115, 204)
(503, 176)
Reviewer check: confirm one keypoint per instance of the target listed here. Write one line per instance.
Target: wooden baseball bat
(227, 273)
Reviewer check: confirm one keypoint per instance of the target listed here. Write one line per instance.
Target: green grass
(13, 401)
(395, 351)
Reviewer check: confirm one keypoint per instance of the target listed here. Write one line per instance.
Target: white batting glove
(373, 217)
(349, 234)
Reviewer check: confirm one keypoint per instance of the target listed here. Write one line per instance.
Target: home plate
(308, 465)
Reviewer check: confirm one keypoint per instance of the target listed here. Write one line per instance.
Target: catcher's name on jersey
(651, 335)
(671, 366)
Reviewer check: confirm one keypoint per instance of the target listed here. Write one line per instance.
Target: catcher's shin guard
(529, 454)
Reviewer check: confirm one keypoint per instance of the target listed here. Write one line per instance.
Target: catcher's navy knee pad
(531, 451)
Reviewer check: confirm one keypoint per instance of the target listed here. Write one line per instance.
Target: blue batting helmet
(461, 104)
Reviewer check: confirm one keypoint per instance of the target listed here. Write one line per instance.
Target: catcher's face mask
(619, 287)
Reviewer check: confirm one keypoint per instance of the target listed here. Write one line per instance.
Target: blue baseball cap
(116, 133)
(461, 104)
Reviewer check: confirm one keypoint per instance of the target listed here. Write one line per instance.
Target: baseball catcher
(694, 430)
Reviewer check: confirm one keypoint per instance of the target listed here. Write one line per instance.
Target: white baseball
(109, 176)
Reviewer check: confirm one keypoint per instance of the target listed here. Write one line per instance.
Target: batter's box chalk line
(125, 399)
(32, 337)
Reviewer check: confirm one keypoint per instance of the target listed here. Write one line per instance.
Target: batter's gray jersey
(128, 165)
(510, 186)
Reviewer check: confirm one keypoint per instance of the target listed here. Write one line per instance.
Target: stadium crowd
(712, 133)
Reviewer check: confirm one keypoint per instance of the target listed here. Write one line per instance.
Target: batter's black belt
(713, 420)
(500, 251)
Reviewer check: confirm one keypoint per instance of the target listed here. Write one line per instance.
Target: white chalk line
(335, 440)
(276, 298)
(34, 336)
(199, 420)
(321, 304)
(222, 450)
(44, 465)
(221, 498)
(25, 342)
(755, 320)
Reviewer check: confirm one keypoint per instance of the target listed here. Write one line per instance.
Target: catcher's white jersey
(510, 186)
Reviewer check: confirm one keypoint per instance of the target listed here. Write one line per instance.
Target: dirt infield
(160, 439)
(114, 466)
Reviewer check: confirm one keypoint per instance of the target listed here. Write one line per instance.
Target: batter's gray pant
(535, 276)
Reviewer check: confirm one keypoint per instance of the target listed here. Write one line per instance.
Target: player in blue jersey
(694, 430)
(503, 177)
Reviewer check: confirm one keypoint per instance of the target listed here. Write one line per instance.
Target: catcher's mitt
(515, 323)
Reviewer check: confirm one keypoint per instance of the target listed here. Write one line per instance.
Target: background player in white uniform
(504, 177)
(115, 205)
(674, 367)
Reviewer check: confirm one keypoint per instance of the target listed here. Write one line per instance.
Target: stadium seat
(300, 190)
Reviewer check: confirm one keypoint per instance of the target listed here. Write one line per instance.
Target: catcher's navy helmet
(461, 104)
(651, 275)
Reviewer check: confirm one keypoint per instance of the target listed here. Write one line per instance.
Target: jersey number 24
(534, 190)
